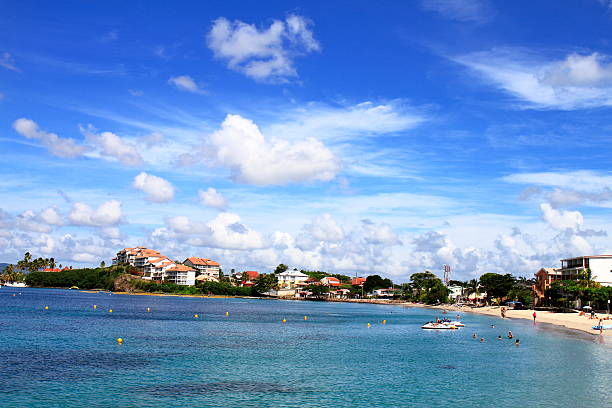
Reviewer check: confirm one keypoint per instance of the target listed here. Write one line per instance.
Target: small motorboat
(603, 327)
(457, 323)
(439, 326)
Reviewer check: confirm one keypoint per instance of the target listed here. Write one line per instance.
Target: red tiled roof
(252, 274)
(358, 281)
(201, 261)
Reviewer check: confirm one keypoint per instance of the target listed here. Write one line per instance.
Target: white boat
(16, 285)
(457, 323)
(439, 326)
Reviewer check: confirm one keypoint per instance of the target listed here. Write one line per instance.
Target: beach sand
(569, 320)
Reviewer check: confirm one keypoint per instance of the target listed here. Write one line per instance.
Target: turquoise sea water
(67, 356)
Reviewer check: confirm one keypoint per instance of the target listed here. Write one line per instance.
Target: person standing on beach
(534, 316)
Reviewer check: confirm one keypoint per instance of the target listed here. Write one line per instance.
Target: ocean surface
(68, 356)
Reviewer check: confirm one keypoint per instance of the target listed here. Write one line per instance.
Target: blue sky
(353, 137)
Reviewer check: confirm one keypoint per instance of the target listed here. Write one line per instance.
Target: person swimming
(482, 340)
(499, 337)
(517, 342)
(510, 335)
(492, 326)
(473, 335)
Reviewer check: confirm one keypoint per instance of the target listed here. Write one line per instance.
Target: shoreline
(571, 321)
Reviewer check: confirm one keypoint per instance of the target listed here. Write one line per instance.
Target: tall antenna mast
(447, 272)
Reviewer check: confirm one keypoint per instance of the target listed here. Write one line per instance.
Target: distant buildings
(291, 279)
(154, 266)
(571, 268)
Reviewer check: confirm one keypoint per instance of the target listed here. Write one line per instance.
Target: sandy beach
(569, 320)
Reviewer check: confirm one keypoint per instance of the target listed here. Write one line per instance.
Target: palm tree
(472, 286)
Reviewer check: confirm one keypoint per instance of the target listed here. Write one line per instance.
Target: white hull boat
(438, 326)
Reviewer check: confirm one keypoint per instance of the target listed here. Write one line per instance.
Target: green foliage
(318, 275)
(281, 268)
(496, 285)
(264, 283)
(521, 293)
(88, 278)
(376, 282)
(204, 288)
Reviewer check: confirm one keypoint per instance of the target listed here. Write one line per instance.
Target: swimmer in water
(499, 337)
(492, 326)
(510, 335)
(482, 340)
(517, 342)
(473, 335)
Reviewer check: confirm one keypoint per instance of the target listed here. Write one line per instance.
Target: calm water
(67, 356)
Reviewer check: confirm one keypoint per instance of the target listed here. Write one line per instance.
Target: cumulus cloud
(262, 54)
(575, 82)
(111, 145)
(212, 198)
(466, 11)
(185, 83)
(157, 189)
(325, 228)
(224, 231)
(240, 146)
(57, 146)
(108, 213)
(561, 220)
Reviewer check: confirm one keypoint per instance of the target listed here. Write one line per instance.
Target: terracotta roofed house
(330, 281)
(204, 267)
(181, 275)
(358, 281)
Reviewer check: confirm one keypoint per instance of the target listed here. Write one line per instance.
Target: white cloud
(325, 228)
(576, 82)
(185, 83)
(111, 145)
(467, 11)
(366, 119)
(240, 146)
(561, 220)
(265, 54)
(224, 231)
(212, 198)
(57, 146)
(6, 61)
(109, 213)
(158, 190)
(51, 216)
(110, 233)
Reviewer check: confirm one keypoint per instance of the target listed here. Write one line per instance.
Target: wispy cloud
(465, 11)
(6, 61)
(577, 81)
(185, 83)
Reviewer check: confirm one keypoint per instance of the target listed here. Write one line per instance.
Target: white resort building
(206, 270)
(156, 267)
(291, 279)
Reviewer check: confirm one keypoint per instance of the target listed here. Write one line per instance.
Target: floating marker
(119, 340)
(284, 320)
(46, 307)
(148, 309)
(95, 307)
(110, 310)
(305, 317)
(369, 325)
(384, 322)
(196, 315)
(227, 313)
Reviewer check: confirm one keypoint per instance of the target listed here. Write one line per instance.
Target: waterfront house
(331, 281)
(181, 275)
(291, 279)
(382, 293)
(204, 266)
(128, 256)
